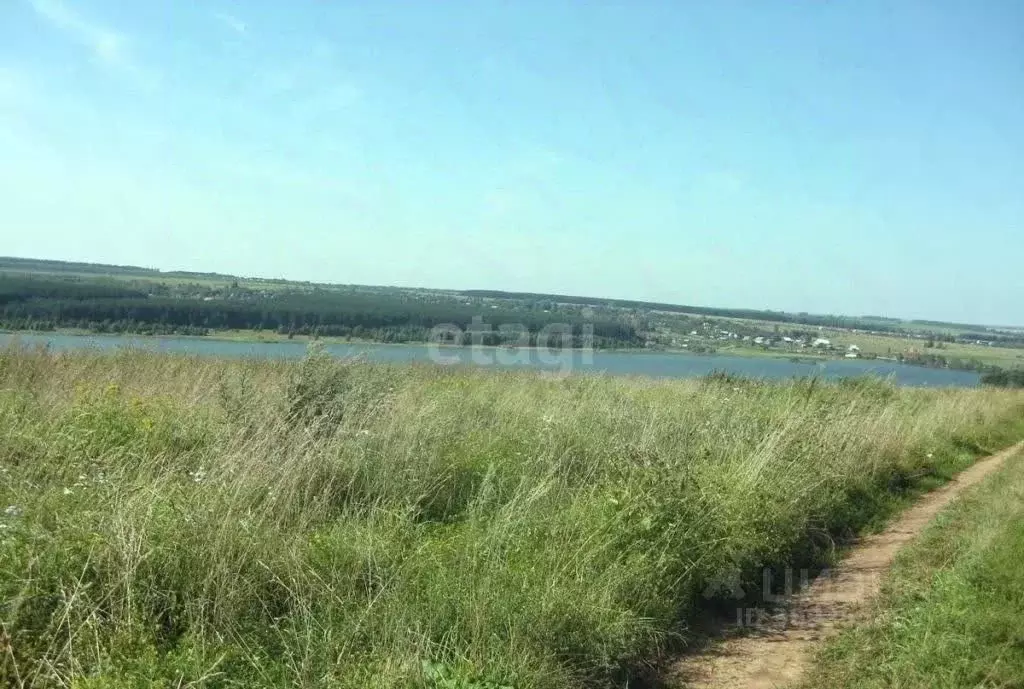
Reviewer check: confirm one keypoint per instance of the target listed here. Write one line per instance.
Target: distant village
(696, 341)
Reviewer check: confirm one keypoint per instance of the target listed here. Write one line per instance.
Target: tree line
(41, 304)
(1004, 378)
(829, 321)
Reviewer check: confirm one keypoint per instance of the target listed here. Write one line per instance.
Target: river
(655, 364)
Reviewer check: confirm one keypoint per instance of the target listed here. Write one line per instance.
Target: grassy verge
(174, 520)
(950, 614)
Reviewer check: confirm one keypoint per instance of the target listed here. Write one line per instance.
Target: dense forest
(516, 302)
(828, 321)
(47, 303)
(869, 323)
(44, 295)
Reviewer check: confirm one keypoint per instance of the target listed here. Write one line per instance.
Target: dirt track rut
(781, 648)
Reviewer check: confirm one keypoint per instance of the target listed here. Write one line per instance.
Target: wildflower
(68, 491)
(930, 455)
(13, 511)
(198, 475)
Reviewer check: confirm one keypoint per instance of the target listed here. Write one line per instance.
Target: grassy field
(879, 345)
(951, 612)
(886, 346)
(172, 521)
(891, 345)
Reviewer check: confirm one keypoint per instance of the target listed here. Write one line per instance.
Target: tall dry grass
(183, 521)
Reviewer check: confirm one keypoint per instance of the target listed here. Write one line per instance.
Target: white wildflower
(13, 511)
(68, 491)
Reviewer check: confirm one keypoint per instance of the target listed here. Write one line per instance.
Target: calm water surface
(615, 363)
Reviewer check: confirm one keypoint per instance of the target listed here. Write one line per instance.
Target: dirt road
(779, 649)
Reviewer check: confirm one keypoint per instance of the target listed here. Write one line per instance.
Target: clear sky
(839, 156)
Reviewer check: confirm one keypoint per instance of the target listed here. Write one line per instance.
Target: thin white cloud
(232, 22)
(107, 46)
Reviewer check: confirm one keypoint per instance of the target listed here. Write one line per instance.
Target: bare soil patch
(778, 650)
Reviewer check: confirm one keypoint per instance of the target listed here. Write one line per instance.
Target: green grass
(951, 611)
(891, 345)
(249, 523)
(880, 345)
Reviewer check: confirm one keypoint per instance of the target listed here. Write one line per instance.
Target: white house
(821, 342)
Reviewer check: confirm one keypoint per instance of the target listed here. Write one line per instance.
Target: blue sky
(841, 157)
